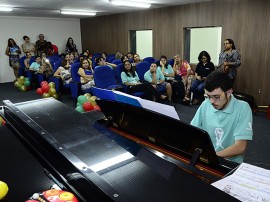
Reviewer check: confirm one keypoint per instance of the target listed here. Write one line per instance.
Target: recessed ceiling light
(78, 12)
(130, 3)
(5, 8)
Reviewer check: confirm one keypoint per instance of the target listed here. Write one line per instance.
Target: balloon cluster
(23, 83)
(47, 90)
(86, 103)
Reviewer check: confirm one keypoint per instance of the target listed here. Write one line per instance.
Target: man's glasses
(214, 97)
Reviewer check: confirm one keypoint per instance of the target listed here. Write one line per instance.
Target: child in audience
(35, 66)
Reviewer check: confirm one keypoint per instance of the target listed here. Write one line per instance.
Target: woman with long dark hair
(71, 46)
(13, 51)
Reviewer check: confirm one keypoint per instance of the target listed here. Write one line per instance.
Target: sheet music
(153, 106)
(248, 183)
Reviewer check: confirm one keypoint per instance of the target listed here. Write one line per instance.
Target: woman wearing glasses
(227, 119)
(203, 69)
(229, 59)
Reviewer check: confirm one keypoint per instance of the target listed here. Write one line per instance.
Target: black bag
(245, 97)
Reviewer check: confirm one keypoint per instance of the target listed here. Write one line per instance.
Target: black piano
(126, 153)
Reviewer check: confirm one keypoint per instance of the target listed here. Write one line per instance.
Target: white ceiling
(51, 8)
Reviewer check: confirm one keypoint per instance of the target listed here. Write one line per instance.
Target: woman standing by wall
(13, 51)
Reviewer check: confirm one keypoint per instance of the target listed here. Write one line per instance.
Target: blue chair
(110, 59)
(149, 59)
(171, 61)
(104, 78)
(141, 68)
(22, 66)
(75, 85)
(117, 61)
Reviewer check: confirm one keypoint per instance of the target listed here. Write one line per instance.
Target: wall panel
(245, 21)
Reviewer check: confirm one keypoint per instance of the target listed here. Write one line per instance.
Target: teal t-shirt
(149, 77)
(168, 70)
(34, 66)
(227, 125)
(129, 79)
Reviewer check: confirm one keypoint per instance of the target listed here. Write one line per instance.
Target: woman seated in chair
(27, 60)
(46, 68)
(86, 75)
(178, 89)
(64, 71)
(131, 79)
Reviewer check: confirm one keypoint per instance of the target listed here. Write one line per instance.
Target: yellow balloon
(52, 91)
(92, 100)
(51, 84)
(55, 96)
(87, 95)
(3, 189)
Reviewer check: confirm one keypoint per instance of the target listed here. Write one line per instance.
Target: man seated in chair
(101, 62)
(157, 79)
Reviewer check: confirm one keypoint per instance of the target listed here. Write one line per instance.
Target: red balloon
(43, 83)
(40, 91)
(45, 88)
(96, 107)
(87, 106)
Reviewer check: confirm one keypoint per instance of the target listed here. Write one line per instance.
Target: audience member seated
(41, 45)
(124, 58)
(203, 69)
(130, 56)
(27, 60)
(101, 62)
(28, 47)
(71, 46)
(131, 79)
(71, 58)
(86, 75)
(35, 65)
(136, 60)
(157, 79)
(45, 68)
(64, 71)
(51, 49)
(178, 89)
(118, 55)
(183, 70)
(104, 56)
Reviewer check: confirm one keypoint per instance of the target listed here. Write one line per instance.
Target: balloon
(46, 95)
(22, 88)
(27, 79)
(22, 77)
(51, 84)
(79, 109)
(17, 84)
(45, 88)
(43, 83)
(52, 91)
(87, 106)
(55, 96)
(87, 95)
(92, 100)
(3, 189)
(27, 83)
(96, 107)
(82, 99)
(40, 91)
(78, 104)
(20, 81)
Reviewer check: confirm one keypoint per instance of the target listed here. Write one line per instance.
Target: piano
(124, 153)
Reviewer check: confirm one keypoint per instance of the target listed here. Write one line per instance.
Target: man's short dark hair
(218, 79)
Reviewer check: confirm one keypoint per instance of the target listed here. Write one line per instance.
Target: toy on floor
(53, 195)
(23, 83)
(3, 189)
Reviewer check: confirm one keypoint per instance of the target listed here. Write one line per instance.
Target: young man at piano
(227, 119)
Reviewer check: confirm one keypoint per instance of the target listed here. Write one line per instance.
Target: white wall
(144, 43)
(55, 30)
(205, 39)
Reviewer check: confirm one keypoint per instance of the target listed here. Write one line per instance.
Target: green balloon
(27, 79)
(27, 83)
(22, 88)
(79, 109)
(82, 99)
